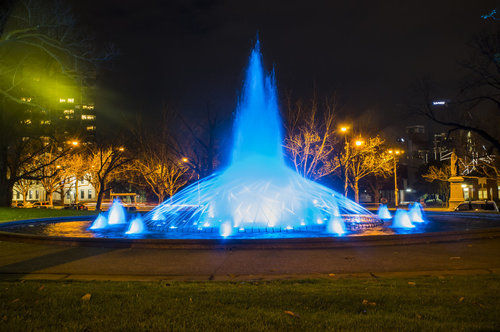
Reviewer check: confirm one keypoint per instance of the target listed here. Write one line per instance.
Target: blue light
(100, 222)
(257, 191)
(383, 212)
(402, 220)
(491, 15)
(136, 226)
(116, 214)
(415, 213)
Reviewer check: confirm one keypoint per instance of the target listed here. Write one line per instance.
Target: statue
(454, 164)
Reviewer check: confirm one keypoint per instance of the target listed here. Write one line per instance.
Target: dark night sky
(191, 53)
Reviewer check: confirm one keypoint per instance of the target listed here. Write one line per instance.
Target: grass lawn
(448, 303)
(10, 214)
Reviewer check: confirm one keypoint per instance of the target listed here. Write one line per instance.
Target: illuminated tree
(311, 138)
(23, 186)
(103, 163)
(42, 52)
(367, 157)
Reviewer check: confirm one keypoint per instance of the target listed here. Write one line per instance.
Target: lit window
(68, 117)
(61, 100)
(71, 100)
(27, 121)
(45, 122)
(26, 99)
(88, 117)
(88, 107)
(90, 128)
(69, 111)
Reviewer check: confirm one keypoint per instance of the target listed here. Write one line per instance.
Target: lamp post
(395, 154)
(357, 144)
(344, 130)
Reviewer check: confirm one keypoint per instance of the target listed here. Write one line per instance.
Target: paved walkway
(33, 261)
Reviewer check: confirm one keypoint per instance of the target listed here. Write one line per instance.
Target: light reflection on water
(80, 229)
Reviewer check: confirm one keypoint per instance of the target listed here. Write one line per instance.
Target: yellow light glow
(61, 100)
(359, 142)
(121, 149)
(185, 160)
(71, 100)
(75, 143)
(343, 129)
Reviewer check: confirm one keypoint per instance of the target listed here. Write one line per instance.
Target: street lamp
(344, 130)
(359, 143)
(395, 154)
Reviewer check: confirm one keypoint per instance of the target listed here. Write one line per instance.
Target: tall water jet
(415, 213)
(401, 220)
(257, 192)
(116, 214)
(383, 212)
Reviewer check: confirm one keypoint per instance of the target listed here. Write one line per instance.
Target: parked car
(75, 206)
(42, 205)
(477, 206)
(23, 205)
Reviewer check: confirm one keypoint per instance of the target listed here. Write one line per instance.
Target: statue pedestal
(456, 191)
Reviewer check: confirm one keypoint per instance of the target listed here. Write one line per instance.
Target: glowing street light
(74, 143)
(344, 129)
(121, 149)
(185, 160)
(359, 142)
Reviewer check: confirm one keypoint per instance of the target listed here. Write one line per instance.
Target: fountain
(257, 192)
(117, 213)
(415, 213)
(136, 226)
(402, 220)
(100, 222)
(116, 216)
(383, 212)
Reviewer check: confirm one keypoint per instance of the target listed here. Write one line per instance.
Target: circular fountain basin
(75, 231)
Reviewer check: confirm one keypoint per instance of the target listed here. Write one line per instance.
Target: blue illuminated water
(257, 192)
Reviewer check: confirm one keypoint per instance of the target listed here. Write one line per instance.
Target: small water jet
(100, 222)
(383, 212)
(116, 214)
(415, 213)
(402, 220)
(136, 226)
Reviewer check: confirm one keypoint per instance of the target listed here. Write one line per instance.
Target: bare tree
(475, 106)
(157, 164)
(103, 163)
(40, 45)
(368, 157)
(23, 186)
(311, 138)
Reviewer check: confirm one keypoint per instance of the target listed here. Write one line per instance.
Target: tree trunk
(5, 184)
(356, 191)
(346, 183)
(6, 188)
(51, 199)
(100, 193)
